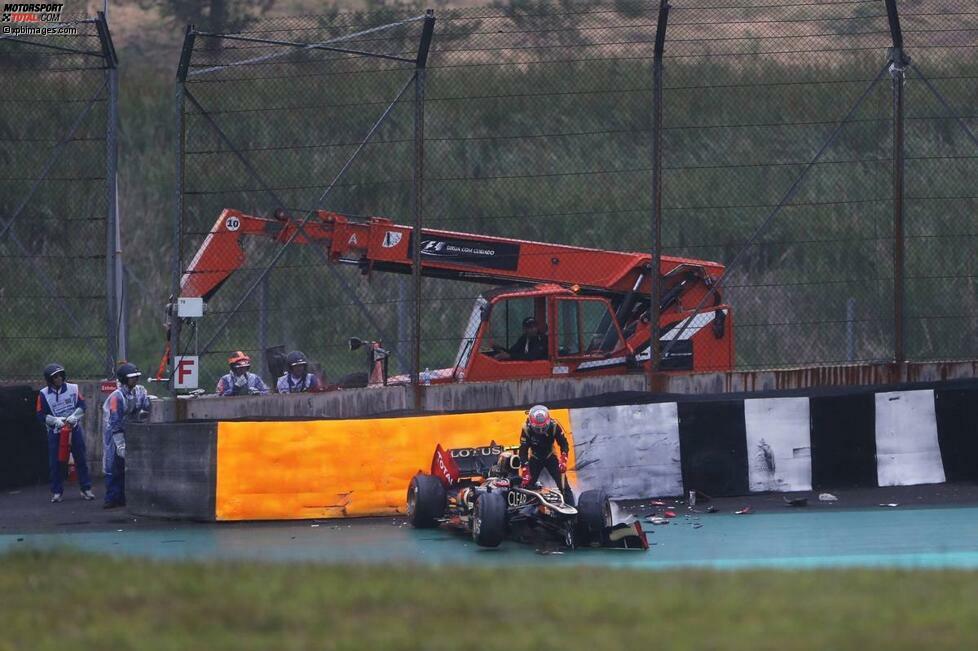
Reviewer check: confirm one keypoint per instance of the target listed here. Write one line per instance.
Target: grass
(56, 600)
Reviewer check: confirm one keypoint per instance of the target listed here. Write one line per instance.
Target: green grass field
(58, 600)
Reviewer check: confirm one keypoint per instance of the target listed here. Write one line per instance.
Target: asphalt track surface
(932, 526)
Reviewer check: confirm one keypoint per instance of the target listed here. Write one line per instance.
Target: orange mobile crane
(592, 304)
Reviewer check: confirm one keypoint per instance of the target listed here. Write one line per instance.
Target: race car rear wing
(455, 464)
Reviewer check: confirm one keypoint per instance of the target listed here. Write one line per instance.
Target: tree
(218, 16)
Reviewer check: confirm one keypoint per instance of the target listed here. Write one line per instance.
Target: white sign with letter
(186, 372)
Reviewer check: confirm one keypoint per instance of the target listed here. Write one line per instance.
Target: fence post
(419, 82)
(115, 317)
(263, 324)
(173, 319)
(898, 65)
(655, 346)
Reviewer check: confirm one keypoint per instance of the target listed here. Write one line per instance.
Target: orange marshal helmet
(239, 360)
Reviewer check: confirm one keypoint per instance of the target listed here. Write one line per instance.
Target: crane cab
(576, 335)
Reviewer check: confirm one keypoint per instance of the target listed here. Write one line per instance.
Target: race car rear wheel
(489, 520)
(425, 501)
(593, 517)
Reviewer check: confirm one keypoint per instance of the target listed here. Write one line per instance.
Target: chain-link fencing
(56, 200)
(778, 144)
(272, 124)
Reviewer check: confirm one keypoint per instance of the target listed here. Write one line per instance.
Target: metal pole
(898, 65)
(111, 245)
(404, 320)
(115, 330)
(185, 55)
(263, 323)
(419, 81)
(655, 346)
(850, 330)
(117, 344)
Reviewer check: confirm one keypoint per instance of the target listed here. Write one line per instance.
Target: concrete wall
(171, 470)
(721, 446)
(487, 396)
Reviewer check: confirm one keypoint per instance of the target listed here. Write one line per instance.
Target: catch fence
(828, 164)
(60, 269)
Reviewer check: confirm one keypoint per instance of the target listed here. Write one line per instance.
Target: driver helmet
(538, 417)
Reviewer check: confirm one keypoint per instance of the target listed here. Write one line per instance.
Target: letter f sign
(185, 373)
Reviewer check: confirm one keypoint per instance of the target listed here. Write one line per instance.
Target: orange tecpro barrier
(286, 470)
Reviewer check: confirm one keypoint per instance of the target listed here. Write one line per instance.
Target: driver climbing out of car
(537, 450)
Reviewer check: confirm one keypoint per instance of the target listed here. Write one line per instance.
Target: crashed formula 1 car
(477, 490)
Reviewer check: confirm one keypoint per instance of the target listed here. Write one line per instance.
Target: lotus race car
(478, 490)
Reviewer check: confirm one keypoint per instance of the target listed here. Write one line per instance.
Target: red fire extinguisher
(64, 452)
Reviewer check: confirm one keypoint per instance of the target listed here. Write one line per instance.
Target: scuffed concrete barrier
(350, 403)
(487, 396)
(781, 444)
(171, 470)
(628, 449)
(645, 448)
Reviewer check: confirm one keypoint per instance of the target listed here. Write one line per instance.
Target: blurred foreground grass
(58, 600)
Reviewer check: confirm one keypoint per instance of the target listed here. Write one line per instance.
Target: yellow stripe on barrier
(285, 470)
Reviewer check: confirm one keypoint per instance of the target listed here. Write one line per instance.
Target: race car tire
(489, 520)
(593, 518)
(426, 501)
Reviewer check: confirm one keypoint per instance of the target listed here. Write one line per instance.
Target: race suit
(122, 406)
(537, 451)
(229, 385)
(288, 384)
(61, 404)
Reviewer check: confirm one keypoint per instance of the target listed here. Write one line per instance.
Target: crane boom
(378, 244)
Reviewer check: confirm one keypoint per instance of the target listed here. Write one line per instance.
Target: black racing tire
(425, 501)
(489, 520)
(357, 380)
(593, 518)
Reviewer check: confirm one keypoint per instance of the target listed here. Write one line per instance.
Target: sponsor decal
(552, 497)
(443, 467)
(696, 324)
(601, 363)
(680, 358)
(473, 253)
(391, 239)
(354, 240)
(463, 453)
(516, 498)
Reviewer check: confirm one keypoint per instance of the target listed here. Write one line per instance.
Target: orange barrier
(285, 470)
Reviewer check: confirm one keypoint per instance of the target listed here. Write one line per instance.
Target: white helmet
(538, 417)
